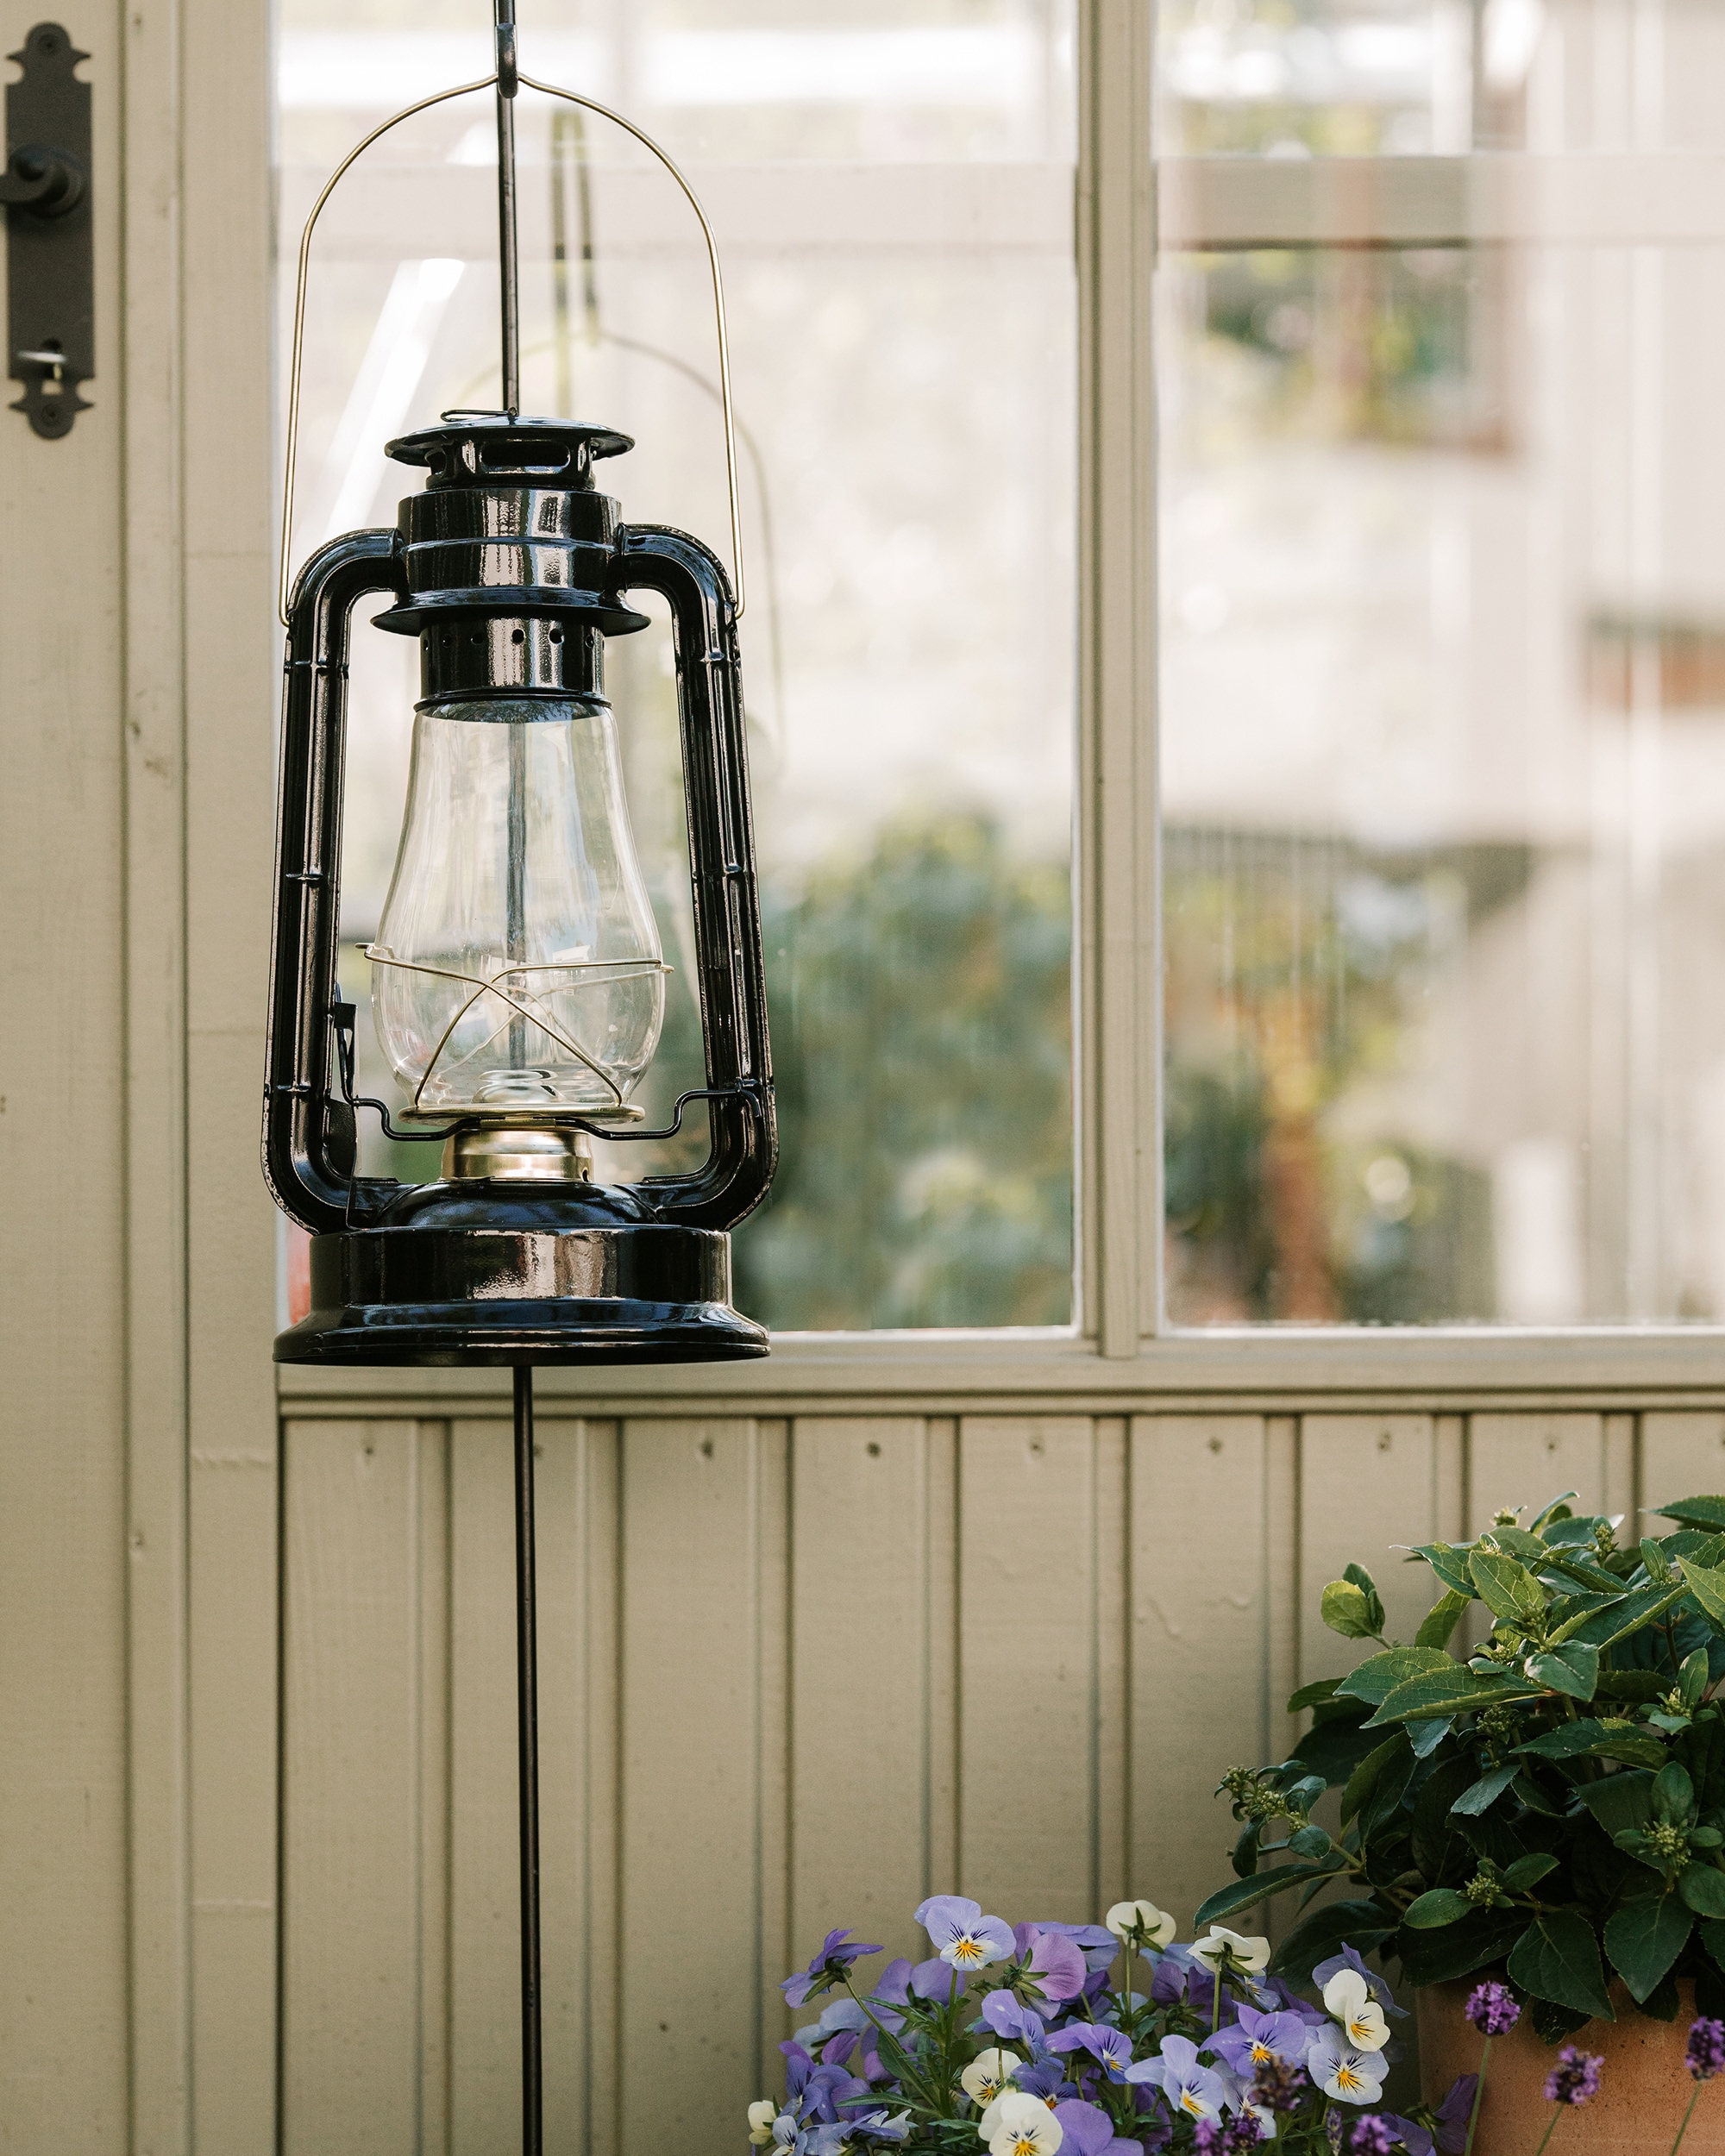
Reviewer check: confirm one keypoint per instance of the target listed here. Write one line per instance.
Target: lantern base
(639, 1292)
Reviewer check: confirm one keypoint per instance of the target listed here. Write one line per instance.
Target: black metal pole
(508, 253)
(527, 1728)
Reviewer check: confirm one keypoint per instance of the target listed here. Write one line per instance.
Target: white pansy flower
(760, 2118)
(1348, 1996)
(1021, 2125)
(1153, 1927)
(988, 2074)
(1223, 1948)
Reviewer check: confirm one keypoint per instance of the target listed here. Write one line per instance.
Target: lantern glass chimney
(517, 962)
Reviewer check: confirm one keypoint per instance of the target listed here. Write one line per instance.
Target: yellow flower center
(1024, 2145)
(1347, 2080)
(1359, 2030)
(1192, 2102)
(1260, 2052)
(966, 1949)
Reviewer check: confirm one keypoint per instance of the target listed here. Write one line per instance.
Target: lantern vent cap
(489, 448)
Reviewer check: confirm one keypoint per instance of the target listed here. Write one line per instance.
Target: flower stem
(1557, 2112)
(1687, 2116)
(1478, 2094)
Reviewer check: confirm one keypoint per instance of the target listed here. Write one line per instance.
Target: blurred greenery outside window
(1442, 669)
(891, 186)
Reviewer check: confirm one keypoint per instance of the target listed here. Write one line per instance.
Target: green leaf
(1571, 1668)
(1344, 1608)
(1616, 1621)
(1694, 1511)
(1426, 1736)
(1244, 1857)
(1486, 1791)
(1558, 1509)
(1528, 1870)
(1557, 1958)
(1449, 1561)
(1707, 1584)
(1508, 1589)
(1442, 1905)
(1517, 1542)
(1334, 1746)
(1644, 1939)
(1363, 1782)
(1632, 1686)
(1357, 1576)
(1457, 1950)
(1619, 1801)
(1245, 1893)
(1672, 1796)
(1590, 1577)
(1691, 1678)
(1589, 1738)
(1658, 1565)
(1359, 1924)
(1439, 1624)
(1703, 1886)
(1312, 1695)
(1379, 1674)
(1451, 1690)
(1712, 1938)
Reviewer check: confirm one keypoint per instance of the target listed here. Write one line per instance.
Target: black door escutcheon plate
(50, 270)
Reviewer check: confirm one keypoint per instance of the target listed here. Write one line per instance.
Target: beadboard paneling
(795, 1674)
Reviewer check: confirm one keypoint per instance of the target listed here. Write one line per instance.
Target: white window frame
(1121, 1347)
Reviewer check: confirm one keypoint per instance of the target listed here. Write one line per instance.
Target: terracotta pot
(1643, 2090)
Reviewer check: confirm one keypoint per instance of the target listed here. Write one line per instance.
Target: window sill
(1271, 1369)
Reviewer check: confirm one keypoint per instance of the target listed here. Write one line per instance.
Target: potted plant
(1532, 1788)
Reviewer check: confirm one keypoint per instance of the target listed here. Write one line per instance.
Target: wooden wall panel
(1682, 1456)
(1367, 1484)
(1037, 1643)
(701, 1654)
(1203, 1574)
(867, 1694)
(1525, 1460)
(355, 1943)
(795, 1674)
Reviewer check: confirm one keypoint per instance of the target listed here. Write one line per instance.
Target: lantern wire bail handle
(506, 79)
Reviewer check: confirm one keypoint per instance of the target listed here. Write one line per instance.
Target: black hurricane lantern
(517, 980)
(517, 983)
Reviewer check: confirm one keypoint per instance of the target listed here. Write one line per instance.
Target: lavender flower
(1576, 2076)
(1371, 2136)
(1492, 2010)
(1216, 2137)
(1706, 2055)
(1278, 2086)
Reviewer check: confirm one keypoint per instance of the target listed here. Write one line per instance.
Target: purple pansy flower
(1246, 2043)
(1111, 2046)
(1046, 2080)
(1088, 2129)
(831, 1966)
(1009, 2017)
(1412, 2135)
(1453, 2114)
(1056, 1969)
(1198, 2090)
(1095, 1941)
(961, 1934)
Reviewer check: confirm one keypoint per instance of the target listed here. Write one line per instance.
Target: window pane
(1444, 667)
(892, 189)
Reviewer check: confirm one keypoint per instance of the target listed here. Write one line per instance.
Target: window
(1443, 676)
(891, 190)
